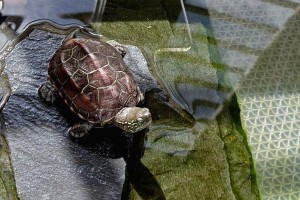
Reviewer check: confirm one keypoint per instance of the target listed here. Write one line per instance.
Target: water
(230, 71)
(61, 13)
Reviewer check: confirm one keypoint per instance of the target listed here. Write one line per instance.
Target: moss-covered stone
(242, 174)
(7, 182)
(188, 163)
(206, 159)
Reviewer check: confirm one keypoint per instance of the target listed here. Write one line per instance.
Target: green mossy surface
(188, 163)
(7, 182)
(207, 159)
(242, 175)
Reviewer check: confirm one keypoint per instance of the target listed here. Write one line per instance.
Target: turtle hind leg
(79, 131)
(47, 93)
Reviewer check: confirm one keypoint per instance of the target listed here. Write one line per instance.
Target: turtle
(92, 79)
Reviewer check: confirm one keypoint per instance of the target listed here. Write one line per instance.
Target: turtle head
(133, 119)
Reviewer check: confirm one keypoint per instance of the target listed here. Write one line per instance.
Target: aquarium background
(230, 68)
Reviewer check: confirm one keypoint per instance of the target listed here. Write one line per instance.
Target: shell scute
(66, 55)
(114, 62)
(105, 96)
(71, 66)
(104, 51)
(102, 77)
(70, 94)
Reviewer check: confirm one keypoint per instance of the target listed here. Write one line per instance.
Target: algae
(242, 174)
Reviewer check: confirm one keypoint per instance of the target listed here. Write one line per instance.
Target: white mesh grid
(266, 35)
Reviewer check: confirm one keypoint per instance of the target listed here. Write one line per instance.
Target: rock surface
(46, 162)
(137, 62)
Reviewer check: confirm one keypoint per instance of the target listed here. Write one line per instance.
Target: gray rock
(46, 162)
(138, 66)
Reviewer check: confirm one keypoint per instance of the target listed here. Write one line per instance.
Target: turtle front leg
(79, 131)
(47, 93)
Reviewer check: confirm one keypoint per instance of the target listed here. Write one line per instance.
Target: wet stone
(46, 162)
(136, 62)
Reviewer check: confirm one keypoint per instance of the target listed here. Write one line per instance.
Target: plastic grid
(265, 35)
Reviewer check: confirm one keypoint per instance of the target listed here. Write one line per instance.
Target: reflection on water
(184, 58)
(22, 13)
(259, 43)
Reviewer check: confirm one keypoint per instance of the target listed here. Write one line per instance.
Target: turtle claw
(79, 131)
(47, 93)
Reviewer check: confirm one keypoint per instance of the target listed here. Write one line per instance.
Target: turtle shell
(92, 78)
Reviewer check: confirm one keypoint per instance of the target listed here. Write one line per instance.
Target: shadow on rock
(113, 143)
